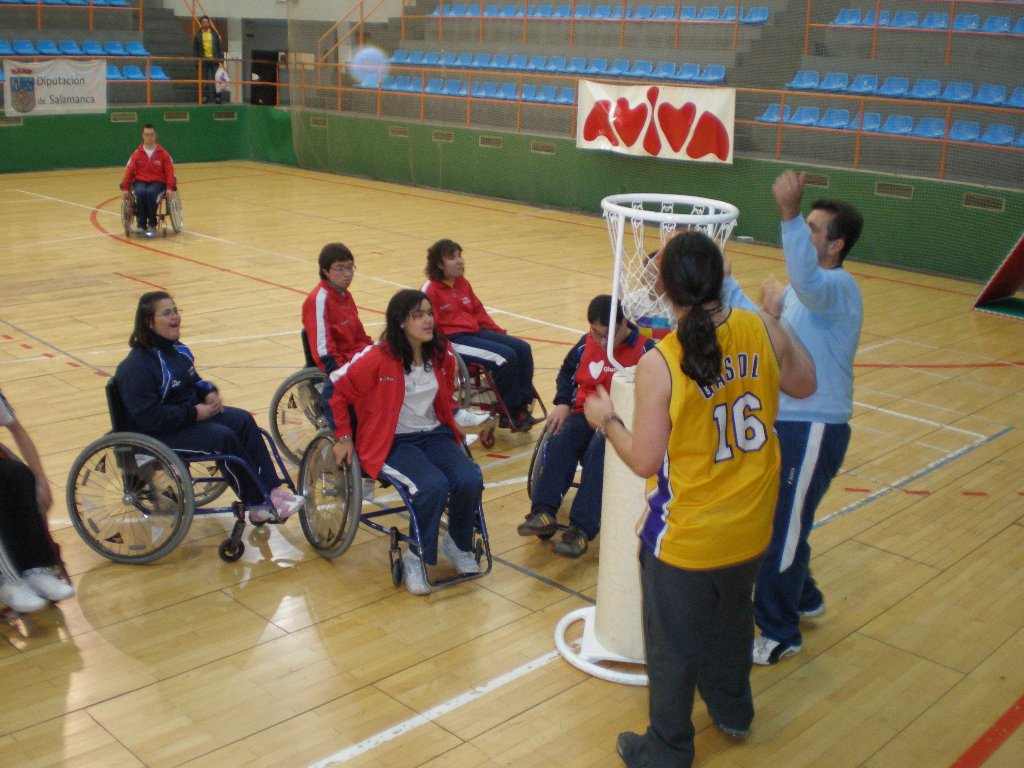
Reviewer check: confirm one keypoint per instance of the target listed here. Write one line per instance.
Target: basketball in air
(368, 66)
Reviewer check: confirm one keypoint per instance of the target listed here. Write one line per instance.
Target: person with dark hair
(461, 317)
(403, 390)
(148, 174)
(572, 441)
(27, 560)
(706, 402)
(823, 307)
(165, 398)
(206, 46)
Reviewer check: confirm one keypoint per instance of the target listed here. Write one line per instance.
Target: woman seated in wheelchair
(461, 317)
(402, 389)
(164, 397)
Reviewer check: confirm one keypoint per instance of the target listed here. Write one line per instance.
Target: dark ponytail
(692, 273)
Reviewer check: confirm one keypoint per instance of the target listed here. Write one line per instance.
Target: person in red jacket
(149, 174)
(461, 317)
(402, 389)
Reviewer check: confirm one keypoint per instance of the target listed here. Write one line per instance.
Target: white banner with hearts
(692, 124)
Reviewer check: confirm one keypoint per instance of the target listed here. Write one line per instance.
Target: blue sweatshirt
(823, 307)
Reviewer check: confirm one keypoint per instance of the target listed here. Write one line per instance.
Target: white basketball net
(653, 219)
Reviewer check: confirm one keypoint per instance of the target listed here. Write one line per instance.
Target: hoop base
(591, 651)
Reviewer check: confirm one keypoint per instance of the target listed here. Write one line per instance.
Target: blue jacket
(160, 387)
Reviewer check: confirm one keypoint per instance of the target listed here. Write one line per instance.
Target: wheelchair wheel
(330, 516)
(207, 485)
(396, 572)
(229, 552)
(127, 214)
(130, 497)
(463, 383)
(174, 212)
(297, 412)
(536, 463)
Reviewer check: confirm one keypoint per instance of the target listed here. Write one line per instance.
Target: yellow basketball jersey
(712, 501)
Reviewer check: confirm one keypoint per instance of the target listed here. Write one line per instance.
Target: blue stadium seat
(688, 72)
(755, 15)
(803, 116)
(602, 12)
(459, 9)
(492, 9)
(456, 88)
(415, 84)
(485, 90)
(402, 83)
(432, 59)
(773, 113)
(642, 68)
(926, 88)
(370, 80)
(868, 122)
(135, 48)
(804, 80)
(113, 73)
(990, 95)
(400, 57)
(577, 65)
(76, 2)
(929, 128)
(868, 19)
(898, 125)
(510, 10)
(92, 48)
(69, 48)
(543, 11)
(557, 64)
(1000, 24)
(114, 48)
(688, 13)
(713, 73)
(416, 57)
(1, 74)
(390, 83)
(156, 72)
(905, 20)
(116, 3)
(1016, 98)
(728, 14)
(642, 13)
(835, 118)
(529, 92)
(133, 72)
(24, 48)
(448, 58)
(1020, 140)
(562, 11)
(835, 82)
(935, 21)
(501, 61)
(507, 91)
(597, 67)
(519, 61)
(894, 87)
(473, 10)
(547, 94)
(666, 70)
(434, 85)
(47, 48)
(1018, 28)
(967, 22)
(616, 12)
(863, 84)
(998, 134)
(583, 11)
(566, 95)
(965, 130)
(5, 49)
(436, 11)
(711, 13)
(957, 92)
(847, 17)
(464, 60)
(481, 61)
(665, 13)
(619, 68)
(537, 63)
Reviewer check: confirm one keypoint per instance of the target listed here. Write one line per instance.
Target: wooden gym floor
(288, 659)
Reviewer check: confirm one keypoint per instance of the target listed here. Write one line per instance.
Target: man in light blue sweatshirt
(823, 307)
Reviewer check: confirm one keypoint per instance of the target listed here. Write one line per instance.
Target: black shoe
(573, 543)
(633, 750)
(733, 734)
(538, 524)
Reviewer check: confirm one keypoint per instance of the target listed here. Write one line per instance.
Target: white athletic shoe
(468, 418)
(369, 488)
(45, 583)
(285, 502)
(767, 651)
(20, 596)
(412, 572)
(464, 562)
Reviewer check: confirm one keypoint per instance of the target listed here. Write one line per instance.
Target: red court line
(992, 739)
(140, 280)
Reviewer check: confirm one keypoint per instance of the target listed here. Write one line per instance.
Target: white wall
(307, 10)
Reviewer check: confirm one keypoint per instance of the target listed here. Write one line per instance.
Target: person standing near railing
(206, 46)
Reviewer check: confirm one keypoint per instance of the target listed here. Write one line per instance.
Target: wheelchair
(297, 409)
(132, 499)
(334, 510)
(537, 468)
(168, 211)
(475, 389)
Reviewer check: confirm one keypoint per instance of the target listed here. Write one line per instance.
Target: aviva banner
(695, 124)
(57, 86)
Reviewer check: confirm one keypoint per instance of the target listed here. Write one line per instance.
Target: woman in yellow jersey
(704, 437)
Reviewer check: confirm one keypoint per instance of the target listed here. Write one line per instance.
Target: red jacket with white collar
(332, 325)
(142, 167)
(456, 307)
(374, 383)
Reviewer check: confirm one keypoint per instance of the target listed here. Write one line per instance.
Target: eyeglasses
(346, 267)
(169, 313)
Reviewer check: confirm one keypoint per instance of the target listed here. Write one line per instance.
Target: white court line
(434, 713)
(68, 202)
(929, 422)
(877, 345)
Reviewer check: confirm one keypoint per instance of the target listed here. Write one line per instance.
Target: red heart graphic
(675, 123)
(629, 121)
(709, 138)
(652, 141)
(598, 123)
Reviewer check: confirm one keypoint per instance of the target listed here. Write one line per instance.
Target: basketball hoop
(636, 270)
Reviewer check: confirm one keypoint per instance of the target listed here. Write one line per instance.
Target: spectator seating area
(998, 134)
(897, 87)
(644, 69)
(655, 13)
(480, 89)
(96, 3)
(91, 48)
(132, 72)
(962, 22)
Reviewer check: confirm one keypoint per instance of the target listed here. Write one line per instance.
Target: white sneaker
(45, 583)
(464, 562)
(767, 651)
(285, 502)
(470, 439)
(468, 418)
(20, 596)
(813, 613)
(369, 488)
(413, 573)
